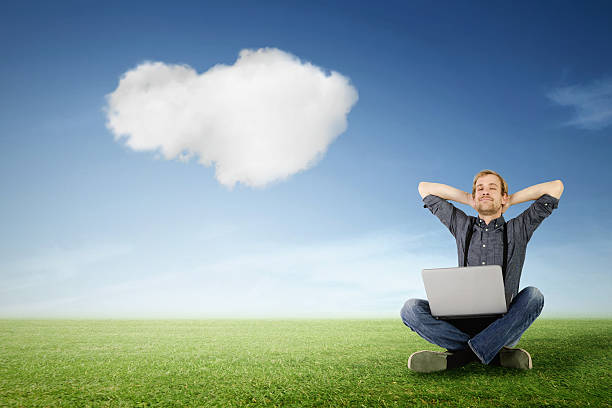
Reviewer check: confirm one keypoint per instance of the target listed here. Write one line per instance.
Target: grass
(233, 363)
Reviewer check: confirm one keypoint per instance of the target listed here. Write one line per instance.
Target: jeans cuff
(476, 352)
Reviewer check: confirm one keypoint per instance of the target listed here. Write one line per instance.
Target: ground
(301, 363)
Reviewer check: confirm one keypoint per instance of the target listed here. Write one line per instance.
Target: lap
(417, 309)
(472, 326)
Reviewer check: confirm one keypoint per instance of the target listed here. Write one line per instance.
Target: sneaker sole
(427, 361)
(515, 358)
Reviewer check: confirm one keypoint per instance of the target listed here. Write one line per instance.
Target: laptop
(465, 292)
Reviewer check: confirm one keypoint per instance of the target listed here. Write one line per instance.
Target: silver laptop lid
(465, 291)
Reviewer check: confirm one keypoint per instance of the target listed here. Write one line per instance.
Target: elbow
(423, 189)
(558, 189)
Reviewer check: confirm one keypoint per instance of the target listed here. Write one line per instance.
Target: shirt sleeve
(533, 216)
(454, 219)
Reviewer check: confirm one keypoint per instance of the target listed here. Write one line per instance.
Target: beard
(488, 207)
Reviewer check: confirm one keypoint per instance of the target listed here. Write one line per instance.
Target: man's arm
(546, 196)
(445, 192)
(552, 188)
(437, 199)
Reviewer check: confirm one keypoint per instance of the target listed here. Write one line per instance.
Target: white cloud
(592, 103)
(263, 119)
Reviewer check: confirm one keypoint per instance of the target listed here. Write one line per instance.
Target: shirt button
(484, 263)
(545, 203)
(486, 229)
(483, 245)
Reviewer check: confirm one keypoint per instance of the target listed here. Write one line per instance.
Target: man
(481, 241)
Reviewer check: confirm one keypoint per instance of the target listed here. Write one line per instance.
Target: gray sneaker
(515, 358)
(427, 361)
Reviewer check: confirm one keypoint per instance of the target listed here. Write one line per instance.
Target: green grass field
(285, 363)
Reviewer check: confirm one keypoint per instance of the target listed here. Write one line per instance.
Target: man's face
(488, 196)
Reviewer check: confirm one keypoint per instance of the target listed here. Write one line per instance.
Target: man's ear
(505, 198)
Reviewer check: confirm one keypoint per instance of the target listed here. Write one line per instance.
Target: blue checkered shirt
(486, 244)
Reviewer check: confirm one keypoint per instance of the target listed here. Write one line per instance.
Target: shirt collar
(496, 223)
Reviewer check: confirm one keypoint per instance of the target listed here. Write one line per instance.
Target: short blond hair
(504, 185)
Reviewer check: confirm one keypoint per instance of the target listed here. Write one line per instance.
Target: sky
(261, 159)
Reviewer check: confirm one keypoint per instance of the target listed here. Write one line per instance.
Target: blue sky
(93, 228)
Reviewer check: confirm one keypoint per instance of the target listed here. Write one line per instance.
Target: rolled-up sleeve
(454, 219)
(533, 216)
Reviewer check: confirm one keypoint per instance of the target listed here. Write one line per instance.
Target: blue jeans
(505, 331)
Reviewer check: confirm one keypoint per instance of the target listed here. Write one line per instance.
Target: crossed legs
(505, 331)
